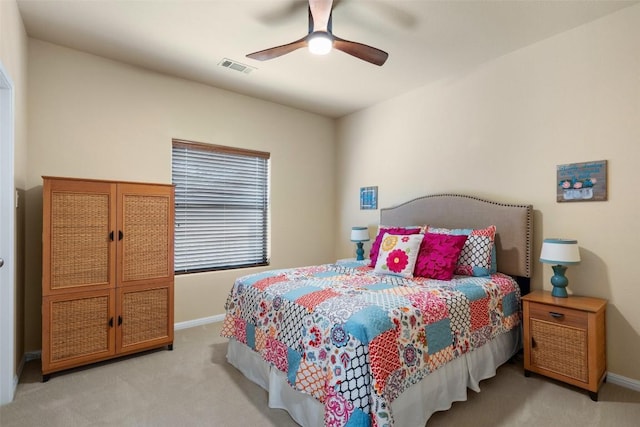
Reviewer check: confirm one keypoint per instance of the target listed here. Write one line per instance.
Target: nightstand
(564, 339)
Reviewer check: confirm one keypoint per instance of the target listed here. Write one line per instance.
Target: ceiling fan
(320, 39)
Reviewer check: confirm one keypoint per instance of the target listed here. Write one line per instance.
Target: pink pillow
(398, 231)
(478, 253)
(438, 255)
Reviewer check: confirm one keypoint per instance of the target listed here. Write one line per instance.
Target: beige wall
(95, 118)
(499, 131)
(13, 55)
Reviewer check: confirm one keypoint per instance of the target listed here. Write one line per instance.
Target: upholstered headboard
(514, 224)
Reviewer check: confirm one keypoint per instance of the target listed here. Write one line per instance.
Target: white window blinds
(222, 201)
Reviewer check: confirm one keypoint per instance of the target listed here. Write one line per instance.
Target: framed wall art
(369, 197)
(582, 182)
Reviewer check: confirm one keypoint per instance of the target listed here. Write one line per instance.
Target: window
(222, 201)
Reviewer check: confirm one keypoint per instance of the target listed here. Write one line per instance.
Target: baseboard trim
(26, 357)
(32, 355)
(198, 322)
(623, 381)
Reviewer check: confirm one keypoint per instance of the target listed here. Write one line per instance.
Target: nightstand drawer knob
(556, 315)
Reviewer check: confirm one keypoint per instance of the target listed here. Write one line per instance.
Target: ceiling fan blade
(361, 51)
(320, 11)
(277, 51)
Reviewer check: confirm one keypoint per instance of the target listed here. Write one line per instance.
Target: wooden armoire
(107, 270)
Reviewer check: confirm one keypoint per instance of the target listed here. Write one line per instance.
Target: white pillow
(398, 254)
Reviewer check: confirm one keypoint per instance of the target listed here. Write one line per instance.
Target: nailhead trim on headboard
(519, 221)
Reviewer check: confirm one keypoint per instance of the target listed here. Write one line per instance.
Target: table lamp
(559, 253)
(359, 235)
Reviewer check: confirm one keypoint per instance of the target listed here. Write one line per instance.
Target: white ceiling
(426, 41)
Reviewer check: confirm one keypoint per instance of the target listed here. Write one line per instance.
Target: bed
(344, 345)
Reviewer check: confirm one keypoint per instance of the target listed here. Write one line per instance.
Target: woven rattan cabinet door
(145, 233)
(77, 329)
(145, 317)
(560, 349)
(78, 235)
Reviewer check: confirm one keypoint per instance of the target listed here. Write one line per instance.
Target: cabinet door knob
(111, 322)
(556, 315)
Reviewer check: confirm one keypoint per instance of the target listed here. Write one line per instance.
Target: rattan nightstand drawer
(558, 315)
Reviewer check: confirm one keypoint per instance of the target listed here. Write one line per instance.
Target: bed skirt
(436, 392)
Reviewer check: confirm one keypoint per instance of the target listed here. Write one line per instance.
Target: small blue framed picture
(369, 197)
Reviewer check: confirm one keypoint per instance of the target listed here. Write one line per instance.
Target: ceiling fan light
(320, 44)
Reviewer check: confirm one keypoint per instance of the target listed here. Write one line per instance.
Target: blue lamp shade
(560, 253)
(359, 235)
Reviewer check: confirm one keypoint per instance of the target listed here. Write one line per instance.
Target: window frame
(265, 236)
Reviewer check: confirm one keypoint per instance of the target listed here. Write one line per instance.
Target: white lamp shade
(560, 252)
(359, 234)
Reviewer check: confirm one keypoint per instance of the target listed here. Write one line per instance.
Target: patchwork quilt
(355, 340)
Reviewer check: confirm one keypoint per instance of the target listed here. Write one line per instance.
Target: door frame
(8, 377)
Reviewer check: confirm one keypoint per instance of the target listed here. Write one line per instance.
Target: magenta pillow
(478, 253)
(439, 255)
(398, 231)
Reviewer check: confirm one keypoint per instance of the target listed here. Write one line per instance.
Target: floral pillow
(478, 253)
(397, 254)
(375, 246)
(438, 255)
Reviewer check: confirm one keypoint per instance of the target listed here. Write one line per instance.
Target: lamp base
(559, 292)
(359, 252)
(559, 282)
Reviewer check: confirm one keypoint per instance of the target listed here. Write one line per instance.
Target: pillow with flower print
(477, 252)
(398, 253)
(375, 246)
(438, 255)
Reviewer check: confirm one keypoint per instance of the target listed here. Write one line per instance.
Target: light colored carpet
(193, 385)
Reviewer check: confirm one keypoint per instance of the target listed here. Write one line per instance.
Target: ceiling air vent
(234, 65)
